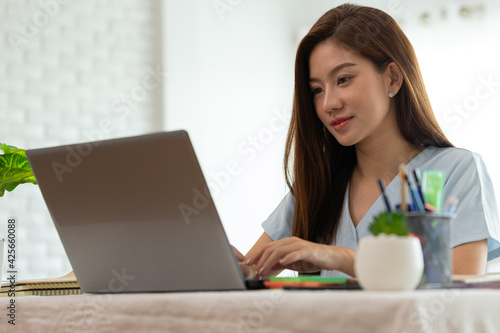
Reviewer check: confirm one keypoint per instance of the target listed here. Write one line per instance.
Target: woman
(360, 110)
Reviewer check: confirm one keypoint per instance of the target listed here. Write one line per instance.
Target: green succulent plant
(14, 168)
(390, 223)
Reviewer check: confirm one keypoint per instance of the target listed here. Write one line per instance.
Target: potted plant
(391, 258)
(14, 168)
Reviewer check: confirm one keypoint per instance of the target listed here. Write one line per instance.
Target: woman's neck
(380, 158)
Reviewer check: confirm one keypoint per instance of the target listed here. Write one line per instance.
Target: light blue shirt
(466, 178)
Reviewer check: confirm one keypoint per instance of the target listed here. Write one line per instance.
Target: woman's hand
(248, 270)
(302, 256)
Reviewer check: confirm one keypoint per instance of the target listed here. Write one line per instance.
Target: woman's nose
(331, 100)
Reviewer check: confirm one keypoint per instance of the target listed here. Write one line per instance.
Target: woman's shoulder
(450, 152)
(448, 155)
(450, 159)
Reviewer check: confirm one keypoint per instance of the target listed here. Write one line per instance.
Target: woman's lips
(341, 122)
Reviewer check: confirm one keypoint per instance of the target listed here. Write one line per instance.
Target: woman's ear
(394, 77)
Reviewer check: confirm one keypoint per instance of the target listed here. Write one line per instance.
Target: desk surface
(454, 310)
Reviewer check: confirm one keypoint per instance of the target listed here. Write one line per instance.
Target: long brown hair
(319, 169)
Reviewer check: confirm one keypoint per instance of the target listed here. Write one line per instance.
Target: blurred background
(74, 70)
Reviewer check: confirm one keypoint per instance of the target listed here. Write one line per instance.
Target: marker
(429, 208)
(381, 184)
(433, 188)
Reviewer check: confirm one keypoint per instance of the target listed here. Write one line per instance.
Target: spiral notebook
(65, 285)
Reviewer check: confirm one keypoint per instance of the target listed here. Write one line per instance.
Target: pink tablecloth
(260, 311)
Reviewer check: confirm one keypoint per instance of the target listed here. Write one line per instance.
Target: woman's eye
(315, 91)
(343, 80)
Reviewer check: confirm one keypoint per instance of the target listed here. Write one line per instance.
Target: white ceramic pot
(389, 262)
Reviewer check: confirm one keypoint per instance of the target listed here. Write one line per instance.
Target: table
(452, 310)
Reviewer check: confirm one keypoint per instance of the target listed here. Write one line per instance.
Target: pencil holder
(434, 232)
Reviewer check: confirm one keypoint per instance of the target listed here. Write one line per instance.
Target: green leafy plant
(390, 223)
(14, 168)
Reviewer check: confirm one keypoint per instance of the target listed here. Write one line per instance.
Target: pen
(402, 172)
(417, 202)
(418, 180)
(450, 205)
(382, 189)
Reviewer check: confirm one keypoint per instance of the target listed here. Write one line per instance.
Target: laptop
(135, 215)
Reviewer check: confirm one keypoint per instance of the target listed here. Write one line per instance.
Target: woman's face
(350, 95)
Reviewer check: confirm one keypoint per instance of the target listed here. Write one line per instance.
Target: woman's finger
(248, 271)
(238, 254)
(299, 261)
(272, 256)
(256, 256)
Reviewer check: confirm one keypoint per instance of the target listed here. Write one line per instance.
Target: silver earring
(391, 94)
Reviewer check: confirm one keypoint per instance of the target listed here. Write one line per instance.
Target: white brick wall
(59, 85)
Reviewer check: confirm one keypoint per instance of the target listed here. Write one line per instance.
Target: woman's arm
(470, 258)
(268, 258)
(300, 255)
